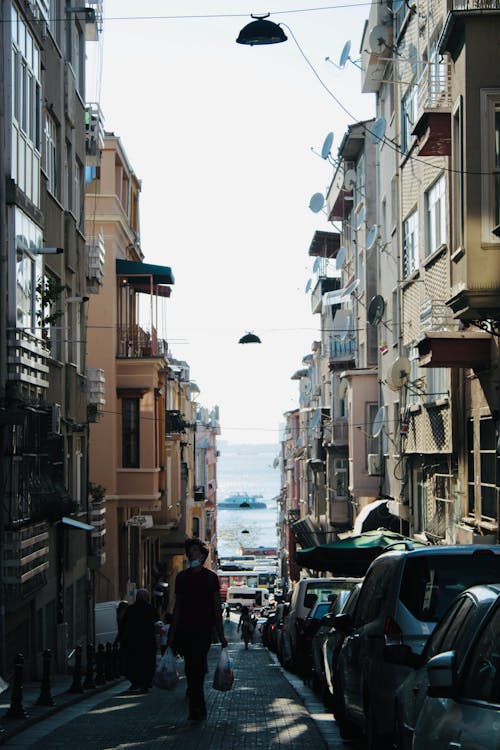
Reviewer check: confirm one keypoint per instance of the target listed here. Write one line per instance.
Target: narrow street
(266, 709)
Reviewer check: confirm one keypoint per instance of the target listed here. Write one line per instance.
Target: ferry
(241, 500)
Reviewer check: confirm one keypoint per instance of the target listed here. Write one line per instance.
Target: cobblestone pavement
(263, 711)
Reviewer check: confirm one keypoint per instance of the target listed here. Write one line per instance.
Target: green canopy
(352, 556)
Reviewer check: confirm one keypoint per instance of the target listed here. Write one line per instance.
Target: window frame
(436, 225)
(131, 410)
(490, 195)
(410, 259)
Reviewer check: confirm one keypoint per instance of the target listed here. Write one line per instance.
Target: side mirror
(343, 623)
(326, 619)
(441, 670)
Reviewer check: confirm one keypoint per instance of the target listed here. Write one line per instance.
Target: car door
(365, 642)
(472, 719)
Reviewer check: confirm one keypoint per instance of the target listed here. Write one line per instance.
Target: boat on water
(241, 500)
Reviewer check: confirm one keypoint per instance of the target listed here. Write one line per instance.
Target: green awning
(351, 556)
(138, 273)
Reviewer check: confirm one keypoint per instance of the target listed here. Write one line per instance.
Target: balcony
(323, 285)
(471, 349)
(25, 560)
(133, 342)
(433, 126)
(374, 52)
(96, 253)
(27, 359)
(95, 393)
(94, 134)
(174, 422)
(341, 352)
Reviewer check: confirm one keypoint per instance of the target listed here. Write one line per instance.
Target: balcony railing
(134, 342)
(341, 350)
(434, 87)
(476, 4)
(25, 560)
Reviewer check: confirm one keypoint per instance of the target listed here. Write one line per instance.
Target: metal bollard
(88, 682)
(108, 663)
(45, 698)
(100, 659)
(16, 710)
(76, 685)
(116, 660)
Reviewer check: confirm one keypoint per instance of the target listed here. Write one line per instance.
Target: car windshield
(431, 582)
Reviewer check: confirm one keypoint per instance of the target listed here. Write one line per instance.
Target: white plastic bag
(166, 675)
(224, 675)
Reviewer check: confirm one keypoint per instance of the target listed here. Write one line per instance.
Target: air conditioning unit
(55, 422)
(375, 465)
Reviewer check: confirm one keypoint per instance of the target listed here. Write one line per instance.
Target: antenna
(339, 260)
(378, 423)
(398, 373)
(372, 236)
(317, 202)
(375, 310)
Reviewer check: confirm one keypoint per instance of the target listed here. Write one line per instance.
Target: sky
(226, 140)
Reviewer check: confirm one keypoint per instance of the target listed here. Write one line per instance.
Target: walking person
(197, 613)
(138, 640)
(247, 626)
(163, 628)
(120, 614)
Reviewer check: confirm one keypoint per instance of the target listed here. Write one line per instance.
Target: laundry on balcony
(174, 422)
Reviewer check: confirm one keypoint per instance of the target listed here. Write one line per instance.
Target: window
(195, 526)
(437, 383)
(482, 676)
(457, 156)
(408, 118)
(395, 317)
(26, 96)
(130, 432)
(410, 245)
(372, 597)
(372, 443)
(490, 161)
(414, 395)
(435, 216)
(482, 460)
(28, 273)
(78, 202)
(50, 164)
(68, 172)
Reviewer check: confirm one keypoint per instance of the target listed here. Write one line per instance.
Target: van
(240, 596)
(404, 594)
(307, 593)
(106, 627)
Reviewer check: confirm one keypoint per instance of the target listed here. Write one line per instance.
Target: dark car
(403, 596)
(455, 631)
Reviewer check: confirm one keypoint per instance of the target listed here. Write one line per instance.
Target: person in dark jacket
(197, 614)
(138, 640)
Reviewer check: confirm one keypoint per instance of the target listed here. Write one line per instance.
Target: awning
(136, 272)
(76, 524)
(351, 556)
(376, 515)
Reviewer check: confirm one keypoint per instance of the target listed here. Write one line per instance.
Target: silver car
(455, 631)
(462, 709)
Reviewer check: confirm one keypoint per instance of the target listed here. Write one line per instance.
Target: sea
(247, 468)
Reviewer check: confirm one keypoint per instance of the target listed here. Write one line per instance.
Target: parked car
(455, 631)
(330, 649)
(462, 709)
(307, 593)
(403, 596)
(276, 636)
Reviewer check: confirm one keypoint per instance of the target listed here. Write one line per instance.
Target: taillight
(391, 628)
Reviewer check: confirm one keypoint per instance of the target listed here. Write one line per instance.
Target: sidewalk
(263, 711)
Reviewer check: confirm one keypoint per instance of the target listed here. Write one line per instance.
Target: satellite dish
(344, 55)
(398, 373)
(350, 288)
(378, 39)
(316, 265)
(360, 218)
(349, 180)
(341, 324)
(378, 422)
(316, 203)
(371, 236)
(339, 260)
(308, 286)
(375, 310)
(327, 146)
(305, 386)
(377, 130)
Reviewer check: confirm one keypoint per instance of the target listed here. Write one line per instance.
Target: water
(247, 468)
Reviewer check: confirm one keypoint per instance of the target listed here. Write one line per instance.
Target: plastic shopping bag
(224, 675)
(166, 675)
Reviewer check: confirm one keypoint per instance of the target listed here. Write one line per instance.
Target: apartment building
(44, 526)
